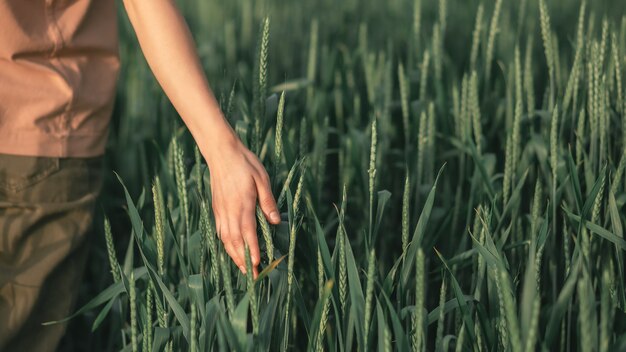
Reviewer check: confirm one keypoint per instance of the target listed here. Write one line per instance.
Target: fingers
(237, 232)
(266, 199)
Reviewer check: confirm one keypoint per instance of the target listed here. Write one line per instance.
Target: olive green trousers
(46, 214)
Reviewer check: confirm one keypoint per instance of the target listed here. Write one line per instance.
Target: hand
(237, 178)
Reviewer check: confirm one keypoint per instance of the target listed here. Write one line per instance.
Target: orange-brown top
(58, 68)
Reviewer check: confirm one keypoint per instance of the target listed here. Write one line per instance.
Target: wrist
(214, 139)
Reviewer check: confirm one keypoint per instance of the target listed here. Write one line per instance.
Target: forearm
(171, 53)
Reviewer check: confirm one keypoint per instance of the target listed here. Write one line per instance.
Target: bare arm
(237, 176)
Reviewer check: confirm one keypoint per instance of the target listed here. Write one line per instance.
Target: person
(59, 64)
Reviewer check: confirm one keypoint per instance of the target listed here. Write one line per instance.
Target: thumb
(266, 199)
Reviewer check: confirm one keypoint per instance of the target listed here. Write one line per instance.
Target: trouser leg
(46, 213)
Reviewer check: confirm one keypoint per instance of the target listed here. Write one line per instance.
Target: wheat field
(450, 175)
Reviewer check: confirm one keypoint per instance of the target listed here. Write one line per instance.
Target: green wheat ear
(619, 172)
(501, 321)
(597, 204)
(159, 218)
(181, 187)
(404, 102)
(198, 170)
(228, 287)
(418, 338)
(554, 140)
(574, 78)
(291, 254)
(254, 306)
(372, 175)
(536, 210)
(133, 312)
(160, 310)
(604, 40)
(493, 30)
(517, 120)
(432, 128)
(615, 49)
(147, 327)
(421, 147)
(437, 47)
(320, 273)
(476, 36)
(266, 232)
(299, 189)
(115, 266)
(207, 228)
(443, 14)
(325, 299)
(341, 237)
(303, 145)
(546, 35)
(465, 121)
(278, 146)
(343, 272)
(510, 311)
(580, 135)
(441, 318)
(312, 63)
(529, 84)
(474, 107)
(508, 170)
(417, 24)
(405, 212)
(424, 75)
(260, 84)
(369, 294)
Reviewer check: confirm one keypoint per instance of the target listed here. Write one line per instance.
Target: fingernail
(274, 217)
(243, 269)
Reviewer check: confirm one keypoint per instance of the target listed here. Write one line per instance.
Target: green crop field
(450, 176)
